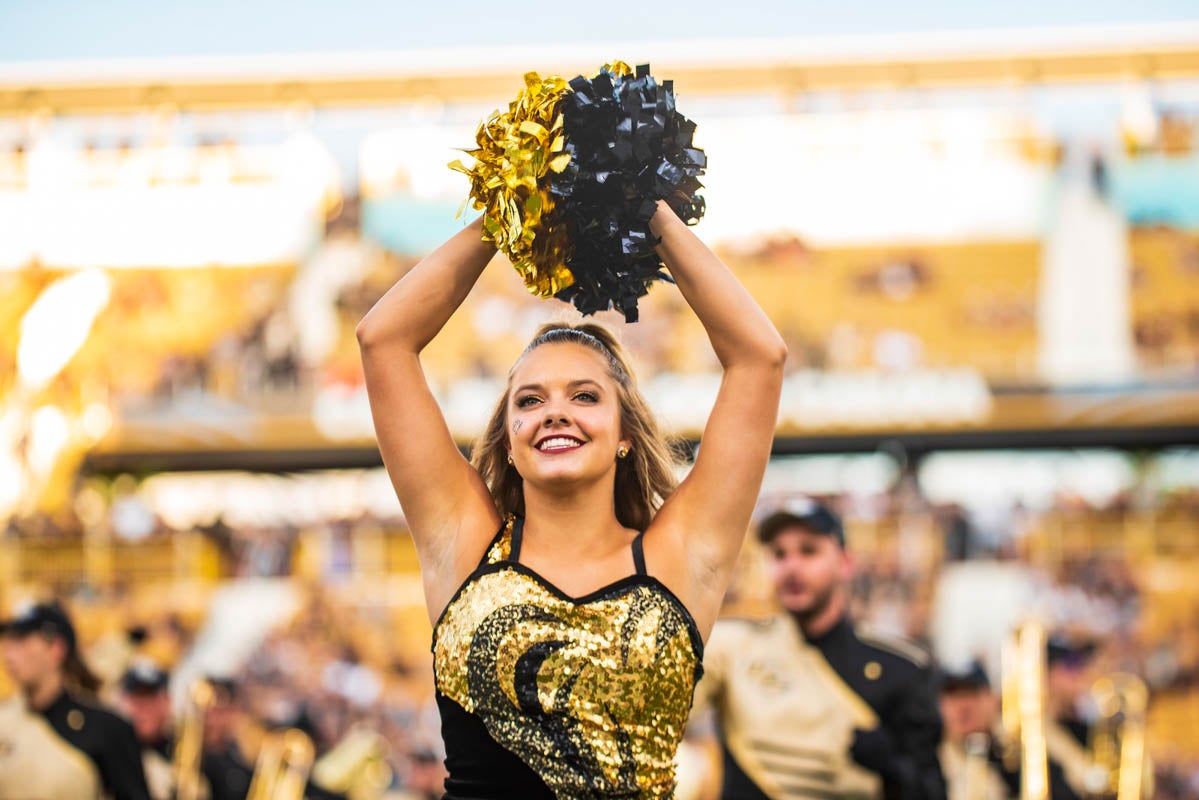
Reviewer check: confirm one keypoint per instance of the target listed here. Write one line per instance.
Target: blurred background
(976, 226)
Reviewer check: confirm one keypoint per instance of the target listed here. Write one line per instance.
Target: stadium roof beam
(912, 444)
(993, 58)
(1139, 417)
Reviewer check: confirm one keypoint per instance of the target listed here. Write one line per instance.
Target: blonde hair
(644, 478)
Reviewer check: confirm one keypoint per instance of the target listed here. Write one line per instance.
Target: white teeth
(557, 443)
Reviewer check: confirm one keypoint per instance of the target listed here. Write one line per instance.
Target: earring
(510, 459)
(622, 451)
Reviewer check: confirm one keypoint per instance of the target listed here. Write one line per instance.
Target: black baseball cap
(1069, 651)
(802, 512)
(965, 678)
(144, 677)
(224, 688)
(47, 619)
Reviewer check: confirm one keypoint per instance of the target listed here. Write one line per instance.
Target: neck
(42, 694)
(1059, 706)
(821, 621)
(575, 524)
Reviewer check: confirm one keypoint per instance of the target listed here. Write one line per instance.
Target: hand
(873, 749)
(663, 215)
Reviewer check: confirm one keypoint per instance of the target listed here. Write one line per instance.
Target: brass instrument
(189, 743)
(1023, 709)
(356, 767)
(284, 762)
(1118, 737)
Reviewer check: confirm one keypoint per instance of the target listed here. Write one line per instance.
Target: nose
(789, 565)
(554, 417)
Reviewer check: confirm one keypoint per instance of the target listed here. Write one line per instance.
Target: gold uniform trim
(785, 715)
(895, 646)
(36, 763)
(1062, 747)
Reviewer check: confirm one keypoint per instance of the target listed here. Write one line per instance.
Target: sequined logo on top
(593, 696)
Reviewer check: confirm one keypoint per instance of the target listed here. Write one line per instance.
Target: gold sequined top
(545, 695)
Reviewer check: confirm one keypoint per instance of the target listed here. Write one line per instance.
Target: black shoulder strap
(639, 554)
(518, 529)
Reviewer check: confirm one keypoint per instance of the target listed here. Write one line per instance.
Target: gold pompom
(617, 68)
(516, 150)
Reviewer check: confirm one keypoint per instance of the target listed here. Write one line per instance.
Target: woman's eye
(526, 401)
(586, 397)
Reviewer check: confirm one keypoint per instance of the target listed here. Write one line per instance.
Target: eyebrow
(572, 385)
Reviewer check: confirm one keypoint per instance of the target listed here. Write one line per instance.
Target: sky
(35, 30)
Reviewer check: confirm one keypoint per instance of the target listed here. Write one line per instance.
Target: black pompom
(629, 147)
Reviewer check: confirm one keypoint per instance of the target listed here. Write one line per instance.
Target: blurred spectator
(144, 701)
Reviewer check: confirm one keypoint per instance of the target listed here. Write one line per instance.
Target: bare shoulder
(448, 560)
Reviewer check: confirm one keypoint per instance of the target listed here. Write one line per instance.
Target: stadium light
(13, 478)
(58, 323)
(49, 435)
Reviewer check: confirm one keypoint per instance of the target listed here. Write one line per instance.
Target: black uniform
(1070, 767)
(228, 774)
(902, 691)
(846, 715)
(1059, 787)
(106, 739)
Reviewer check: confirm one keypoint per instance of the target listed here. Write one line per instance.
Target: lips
(558, 444)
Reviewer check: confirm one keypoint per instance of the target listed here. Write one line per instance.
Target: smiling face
(564, 416)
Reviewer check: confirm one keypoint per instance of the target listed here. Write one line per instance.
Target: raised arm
(447, 506)
(707, 516)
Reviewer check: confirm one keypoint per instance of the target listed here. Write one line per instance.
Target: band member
(226, 769)
(1069, 676)
(229, 771)
(970, 712)
(806, 704)
(54, 743)
(145, 702)
(972, 753)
